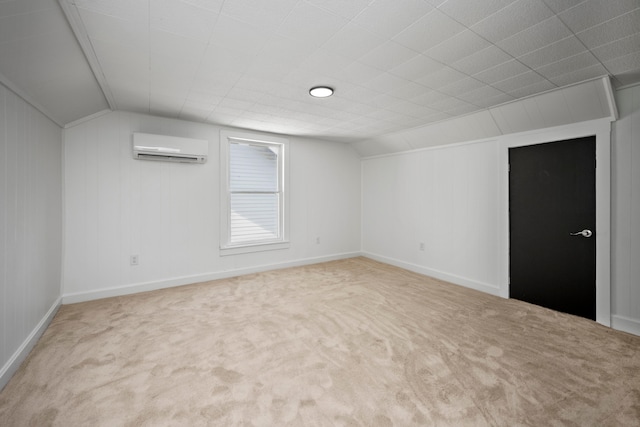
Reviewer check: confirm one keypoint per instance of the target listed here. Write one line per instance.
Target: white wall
(30, 227)
(168, 213)
(450, 199)
(625, 245)
(447, 198)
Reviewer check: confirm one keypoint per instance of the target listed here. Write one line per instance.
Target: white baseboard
(452, 278)
(626, 324)
(22, 352)
(135, 288)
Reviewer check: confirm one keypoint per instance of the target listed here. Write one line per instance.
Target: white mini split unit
(169, 148)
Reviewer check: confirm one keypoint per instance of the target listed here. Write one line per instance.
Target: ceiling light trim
(321, 91)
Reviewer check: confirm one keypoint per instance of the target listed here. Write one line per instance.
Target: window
(253, 197)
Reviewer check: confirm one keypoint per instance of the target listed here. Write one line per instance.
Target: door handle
(583, 233)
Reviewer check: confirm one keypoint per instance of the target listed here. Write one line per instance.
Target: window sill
(260, 247)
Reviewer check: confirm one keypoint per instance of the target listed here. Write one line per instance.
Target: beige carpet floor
(345, 343)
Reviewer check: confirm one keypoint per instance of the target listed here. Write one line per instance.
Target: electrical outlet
(422, 246)
(133, 260)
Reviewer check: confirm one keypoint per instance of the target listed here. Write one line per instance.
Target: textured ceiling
(41, 60)
(394, 64)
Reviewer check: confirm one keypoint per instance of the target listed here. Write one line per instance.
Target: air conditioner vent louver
(169, 148)
(165, 158)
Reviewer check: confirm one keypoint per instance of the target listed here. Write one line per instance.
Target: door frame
(602, 130)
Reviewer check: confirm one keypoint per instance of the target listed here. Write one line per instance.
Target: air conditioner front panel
(169, 148)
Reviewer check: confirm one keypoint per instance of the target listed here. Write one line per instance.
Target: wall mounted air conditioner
(169, 148)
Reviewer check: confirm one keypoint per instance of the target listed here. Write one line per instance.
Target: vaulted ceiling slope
(42, 62)
(394, 64)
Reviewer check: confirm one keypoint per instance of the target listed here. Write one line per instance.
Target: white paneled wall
(625, 212)
(30, 227)
(168, 213)
(445, 198)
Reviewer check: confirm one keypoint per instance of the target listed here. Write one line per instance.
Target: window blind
(254, 191)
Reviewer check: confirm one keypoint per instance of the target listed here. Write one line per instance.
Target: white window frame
(282, 242)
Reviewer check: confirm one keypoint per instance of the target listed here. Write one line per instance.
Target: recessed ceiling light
(321, 91)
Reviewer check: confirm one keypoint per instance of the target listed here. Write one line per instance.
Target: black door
(551, 197)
